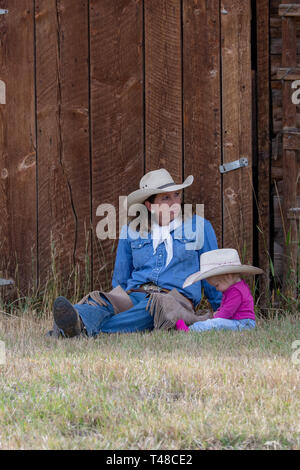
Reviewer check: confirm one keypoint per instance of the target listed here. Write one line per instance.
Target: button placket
(160, 257)
(158, 264)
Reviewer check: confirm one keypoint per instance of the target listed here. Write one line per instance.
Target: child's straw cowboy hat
(216, 262)
(156, 182)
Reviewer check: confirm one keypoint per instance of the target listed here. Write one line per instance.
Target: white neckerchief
(162, 233)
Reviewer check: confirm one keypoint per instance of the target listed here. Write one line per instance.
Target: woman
(154, 262)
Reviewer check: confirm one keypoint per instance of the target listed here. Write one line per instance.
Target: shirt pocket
(142, 251)
(184, 249)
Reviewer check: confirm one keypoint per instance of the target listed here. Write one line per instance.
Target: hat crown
(156, 179)
(222, 257)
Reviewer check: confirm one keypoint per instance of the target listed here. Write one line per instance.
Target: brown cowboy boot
(66, 317)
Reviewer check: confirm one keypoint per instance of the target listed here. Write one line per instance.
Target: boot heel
(66, 317)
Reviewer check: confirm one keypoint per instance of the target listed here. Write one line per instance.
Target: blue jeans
(103, 320)
(223, 324)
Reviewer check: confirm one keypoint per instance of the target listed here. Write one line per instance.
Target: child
(222, 269)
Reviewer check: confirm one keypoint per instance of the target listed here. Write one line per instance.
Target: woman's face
(166, 206)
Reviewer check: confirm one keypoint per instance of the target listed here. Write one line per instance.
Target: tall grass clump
(68, 278)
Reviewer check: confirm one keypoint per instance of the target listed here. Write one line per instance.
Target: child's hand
(205, 314)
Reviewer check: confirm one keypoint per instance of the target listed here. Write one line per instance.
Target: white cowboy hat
(216, 262)
(156, 182)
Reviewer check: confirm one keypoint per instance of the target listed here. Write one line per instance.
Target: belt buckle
(151, 287)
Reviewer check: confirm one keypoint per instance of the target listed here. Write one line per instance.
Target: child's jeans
(223, 324)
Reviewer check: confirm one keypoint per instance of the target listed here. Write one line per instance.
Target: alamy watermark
(296, 94)
(2, 353)
(296, 353)
(138, 222)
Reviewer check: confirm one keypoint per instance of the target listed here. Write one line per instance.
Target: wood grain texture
(237, 132)
(124, 87)
(17, 144)
(283, 169)
(116, 113)
(202, 102)
(63, 133)
(289, 163)
(263, 142)
(163, 86)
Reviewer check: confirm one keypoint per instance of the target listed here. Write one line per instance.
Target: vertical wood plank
(163, 84)
(116, 113)
(5, 242)
(237, 132)
(202, 113)
(289, 161)
(63, 133)
(17, 144)
(263, 142)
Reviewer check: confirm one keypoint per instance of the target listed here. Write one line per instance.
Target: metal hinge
(6, 282)
(233, 165)
(3, 12)
(294, 213)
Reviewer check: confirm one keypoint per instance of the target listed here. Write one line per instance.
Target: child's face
(223, 282)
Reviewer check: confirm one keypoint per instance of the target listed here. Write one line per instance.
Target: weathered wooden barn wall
(262, 144)
(283, 48)
(100, 91)
(18, 183)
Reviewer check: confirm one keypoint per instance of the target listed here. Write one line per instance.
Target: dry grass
(217, 390)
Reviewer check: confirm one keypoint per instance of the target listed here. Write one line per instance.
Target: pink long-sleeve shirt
(237, 303)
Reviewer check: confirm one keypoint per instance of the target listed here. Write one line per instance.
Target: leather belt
(150, 288)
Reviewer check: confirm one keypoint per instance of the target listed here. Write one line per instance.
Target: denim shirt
(137, 264)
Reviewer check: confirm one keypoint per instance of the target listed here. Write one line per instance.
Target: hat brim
(140, 195)
(242, 269)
